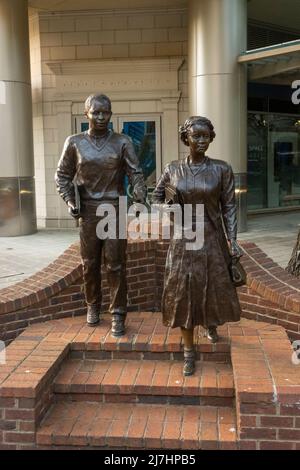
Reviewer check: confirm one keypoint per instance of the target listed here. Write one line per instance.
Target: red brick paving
(139, 426)
(143, 378)
(266, 386)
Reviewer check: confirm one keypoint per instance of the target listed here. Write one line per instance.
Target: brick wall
(267, 390)
(272, 291)
(257, 308)
(27, 393)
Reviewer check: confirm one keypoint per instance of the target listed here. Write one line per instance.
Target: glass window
(273, 160)
(143, 137)
(257, 160)
(284, 160)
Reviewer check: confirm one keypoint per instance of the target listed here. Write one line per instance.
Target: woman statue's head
(193, 123)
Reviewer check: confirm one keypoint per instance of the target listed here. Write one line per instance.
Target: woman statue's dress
(197, 287)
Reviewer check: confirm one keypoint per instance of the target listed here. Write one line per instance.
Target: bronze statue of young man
(98, 160)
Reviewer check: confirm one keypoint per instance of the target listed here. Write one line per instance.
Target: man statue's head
(98, 111)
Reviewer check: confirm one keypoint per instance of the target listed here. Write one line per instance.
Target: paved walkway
(275, 234)
(23, 256)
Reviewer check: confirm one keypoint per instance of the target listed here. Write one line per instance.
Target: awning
(273, 60)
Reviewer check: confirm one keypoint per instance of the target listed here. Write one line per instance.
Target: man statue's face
(99, 115)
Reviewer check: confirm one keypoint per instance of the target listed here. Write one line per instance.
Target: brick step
(121, 425)
(145, 337)
(220, 357)
(146, 381)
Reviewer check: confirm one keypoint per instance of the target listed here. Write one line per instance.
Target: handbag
(237, 272)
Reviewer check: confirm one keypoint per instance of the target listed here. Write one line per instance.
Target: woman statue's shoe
(93, 315)
(118, 325)
(189, 362)
(211, 334)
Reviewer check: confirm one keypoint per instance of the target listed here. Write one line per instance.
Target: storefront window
(284, 160)
(273, 160)
(257, 160)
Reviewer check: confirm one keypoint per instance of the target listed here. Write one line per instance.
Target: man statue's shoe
(211, 334)
(92, 316)
(189, 362)
(118, 325)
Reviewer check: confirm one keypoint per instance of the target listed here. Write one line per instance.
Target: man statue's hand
(135, 208)
(71, 205)
(73, 211)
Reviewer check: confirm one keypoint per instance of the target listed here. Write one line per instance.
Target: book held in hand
(172, 195)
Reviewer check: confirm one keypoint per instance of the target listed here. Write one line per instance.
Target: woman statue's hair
(183, 130)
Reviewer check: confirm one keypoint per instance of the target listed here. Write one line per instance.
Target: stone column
(17, 193)
(169, 108)
(218, 84)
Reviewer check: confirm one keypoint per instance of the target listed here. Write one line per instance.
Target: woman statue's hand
(235, 250)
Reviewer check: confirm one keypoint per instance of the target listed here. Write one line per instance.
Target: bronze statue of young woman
(197, 287)
(98, 160)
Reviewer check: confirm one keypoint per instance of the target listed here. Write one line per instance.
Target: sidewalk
(275, 234)
(21, 257)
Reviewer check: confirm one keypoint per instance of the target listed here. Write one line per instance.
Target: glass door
(257, 161)
(145, 133)
(273, 160)
(284, 160)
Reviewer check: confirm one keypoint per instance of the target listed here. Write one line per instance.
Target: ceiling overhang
(286, 13)
(108, 66)
(272, 61)
(123, 79)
